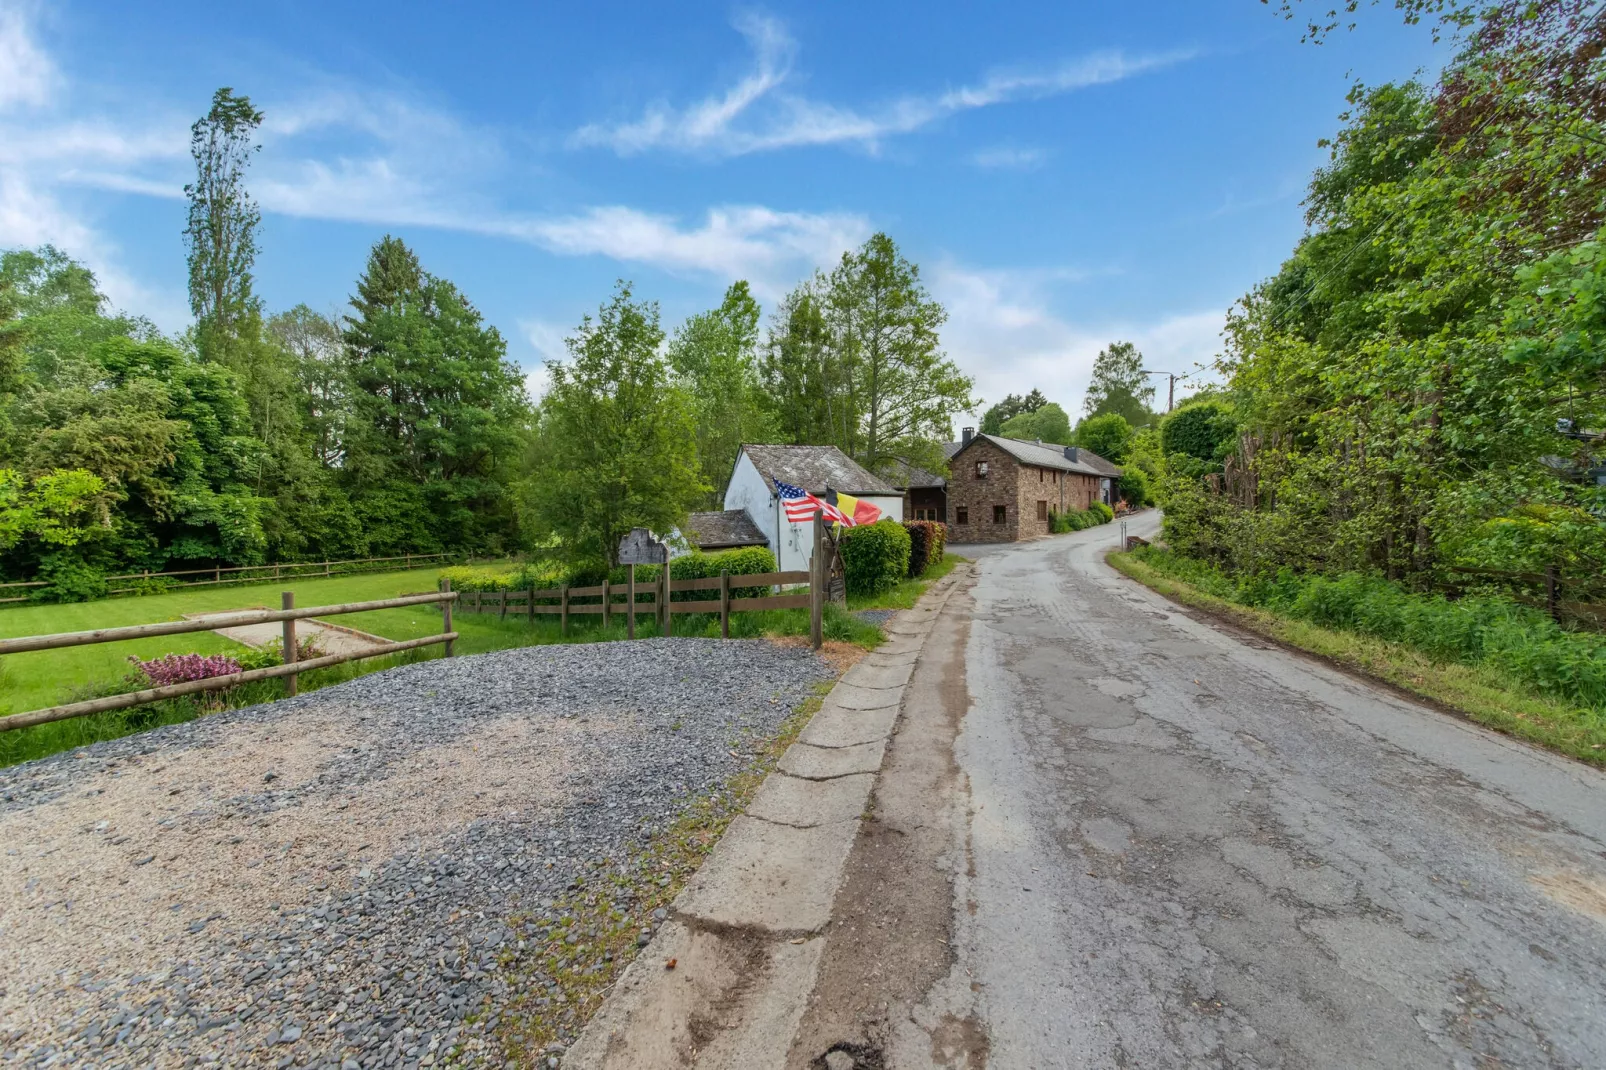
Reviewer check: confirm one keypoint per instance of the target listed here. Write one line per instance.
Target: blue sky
(1065, 174)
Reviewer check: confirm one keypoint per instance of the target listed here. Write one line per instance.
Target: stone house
(1003, 489)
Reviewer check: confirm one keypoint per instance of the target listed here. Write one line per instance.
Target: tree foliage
(616, 445)
(1119, 386)
(1420, 385)
(854, 360)
(1107, 435)
(993, 420)
(1047, 423)
(221, 230)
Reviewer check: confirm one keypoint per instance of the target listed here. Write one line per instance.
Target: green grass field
(44, 678)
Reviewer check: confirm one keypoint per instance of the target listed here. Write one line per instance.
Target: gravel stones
(525, 776)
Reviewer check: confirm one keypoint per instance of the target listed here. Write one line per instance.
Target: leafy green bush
(1204, 431)
(1134, 488)
(1102, 512)
(1078, 519)
(875, 556)
(1519, 641)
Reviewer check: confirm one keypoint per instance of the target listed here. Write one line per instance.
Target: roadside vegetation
(1405, 466)
(1498, 663)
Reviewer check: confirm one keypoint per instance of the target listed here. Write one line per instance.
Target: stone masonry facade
(1025, 494)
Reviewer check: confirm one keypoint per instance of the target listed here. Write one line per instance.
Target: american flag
(800, 505)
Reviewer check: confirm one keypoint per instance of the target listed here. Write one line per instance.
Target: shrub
(939, 535)
(875, 556)
(1205, 431)
(1133, 486)
(925, 545)
(470, 578)
(1102, 512)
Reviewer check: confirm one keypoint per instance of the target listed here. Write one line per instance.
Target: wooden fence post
(724, 603)
(817, 573)
(503, 594)
(668, 628)
(530, 605)
(563, 613)
(1553, 593)
(446, 614)
(326, 573)
(607, 604)
(630, 615)
(288, 601)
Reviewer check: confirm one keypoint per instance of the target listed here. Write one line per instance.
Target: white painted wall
(793, 544)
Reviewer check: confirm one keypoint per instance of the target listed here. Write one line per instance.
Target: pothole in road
(850, 1057)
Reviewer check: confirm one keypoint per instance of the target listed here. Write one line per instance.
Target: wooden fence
(291, 667)
(1548, 590)
(253, 573)
(617, 599)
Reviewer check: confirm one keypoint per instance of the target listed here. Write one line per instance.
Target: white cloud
(1001, 330)
(26, 74)
(778, 119)
(770, 249)
(1005, 157)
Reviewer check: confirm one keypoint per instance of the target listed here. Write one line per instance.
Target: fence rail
(632, 600)
(257, 573)
(291, 667)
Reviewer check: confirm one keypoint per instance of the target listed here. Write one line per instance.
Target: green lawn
(46, 677)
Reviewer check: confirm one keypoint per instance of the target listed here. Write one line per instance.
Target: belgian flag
(851, 510)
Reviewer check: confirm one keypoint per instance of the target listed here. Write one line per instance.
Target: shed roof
(1051, 455)
(814, 468)
(722, 530)
(905, 476)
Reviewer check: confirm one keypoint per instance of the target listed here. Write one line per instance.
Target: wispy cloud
(26, 74)
(1008, 158)
(757, 114)
(1002, 329)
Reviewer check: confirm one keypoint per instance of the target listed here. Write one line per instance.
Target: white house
(752, 488)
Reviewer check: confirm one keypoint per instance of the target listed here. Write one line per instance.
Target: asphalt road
(1179, 847)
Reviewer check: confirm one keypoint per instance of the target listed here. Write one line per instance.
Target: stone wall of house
(1021, 489)
(973, 498)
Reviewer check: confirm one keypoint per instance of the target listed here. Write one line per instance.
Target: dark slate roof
(1050, 455)
(814, 468)
(951, 448)
(905, 476)
(722, 530)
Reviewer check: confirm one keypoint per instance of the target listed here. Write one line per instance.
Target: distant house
(1003, 489)
(925, 494)
(725, 529)
(814, 468)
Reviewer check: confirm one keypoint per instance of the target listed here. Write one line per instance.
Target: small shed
(723, 529)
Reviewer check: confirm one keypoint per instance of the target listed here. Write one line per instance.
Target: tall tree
(221, 231)
(714, 354)
(993, 420)
(315, 343)
(801, 372)
(1048, 422)
(616, 445)
(1118, 385)
(904, 389)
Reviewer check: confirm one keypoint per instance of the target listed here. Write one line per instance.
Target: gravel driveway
(348, 878)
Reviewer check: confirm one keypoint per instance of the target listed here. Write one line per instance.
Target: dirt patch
(126, 875)
(889, 940)
(1581, 892)
(841, 656)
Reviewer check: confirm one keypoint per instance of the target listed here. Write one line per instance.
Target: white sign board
(640, 548)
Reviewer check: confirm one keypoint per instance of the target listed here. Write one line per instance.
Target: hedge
(748, 560)
(1077, 519)
(875, 556)
(927, 539)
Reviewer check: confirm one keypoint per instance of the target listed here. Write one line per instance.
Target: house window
(961, 515)
(1000, 512)
(1042, 510)
(981, 469)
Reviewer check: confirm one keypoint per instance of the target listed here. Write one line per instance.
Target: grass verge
(560, 984)
(1480, 694)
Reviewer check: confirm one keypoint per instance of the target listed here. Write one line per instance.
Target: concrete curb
(748, 931)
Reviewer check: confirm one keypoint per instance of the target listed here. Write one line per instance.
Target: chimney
(966, 435)
(1072, 454)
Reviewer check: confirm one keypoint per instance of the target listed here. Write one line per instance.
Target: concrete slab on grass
(651, 1019)
(823, 763)
(879, 676)
(790, 800)
(834, 726)
(851, 697)
(770, 876)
